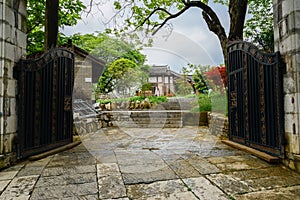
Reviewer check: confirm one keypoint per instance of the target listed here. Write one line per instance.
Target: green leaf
(117, 5)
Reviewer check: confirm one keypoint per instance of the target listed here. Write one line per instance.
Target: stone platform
(145, 164)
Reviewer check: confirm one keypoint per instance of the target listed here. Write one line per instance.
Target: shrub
(219, 103)
(157, 99)
(146, 86)
(203, 103)
(152, 99)
(215, 102)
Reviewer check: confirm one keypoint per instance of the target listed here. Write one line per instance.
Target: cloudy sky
(190, 41)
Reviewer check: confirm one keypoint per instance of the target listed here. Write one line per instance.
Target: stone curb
(262, 155)
(54, 151)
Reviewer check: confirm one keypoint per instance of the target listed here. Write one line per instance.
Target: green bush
(152, 99)
(219, 103)
(204, 102)
(136, 98)
(214, 102)
(146, 86)
(117, 100)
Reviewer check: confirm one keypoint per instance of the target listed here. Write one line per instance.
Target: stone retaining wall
(218, 124)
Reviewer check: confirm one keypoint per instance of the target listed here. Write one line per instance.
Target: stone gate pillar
(12, 48)
(287, 41)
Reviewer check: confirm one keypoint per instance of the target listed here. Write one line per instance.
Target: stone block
(289, 120)
(21, 38)
(7, 143)
(297, 78)
(19, 22)
(293, 143)
(288, 84)
(19, 53)
(287, 8)
(204, 189)
(12, 124)
(289, 106)
(9, 16)
(157, 190)
(1, 36)
(276, 34)
(3, 185)
(11, 90)
(7, 175)
(297, 62)
(296, 5)
(275, 2)
(288, 44)
(22, 8)
(9, 52)
(23, 24)
(9, 65)
(290, 22)
(283, 29)
(83, 191)
(20, 188)
(297, 103)
(7, 36)
(1, 86)
(229, 184)
(297, 19)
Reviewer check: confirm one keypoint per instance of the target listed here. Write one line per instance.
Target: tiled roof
(157, 70)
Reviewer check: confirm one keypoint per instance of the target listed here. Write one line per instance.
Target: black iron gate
(255, 98)
(45, 88)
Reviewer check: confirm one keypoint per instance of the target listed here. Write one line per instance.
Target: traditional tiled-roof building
(163, 80)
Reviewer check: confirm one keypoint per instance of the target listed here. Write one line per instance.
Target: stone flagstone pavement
(181, 163)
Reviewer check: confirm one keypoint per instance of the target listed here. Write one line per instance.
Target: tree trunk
(51, 24)
(237, 12)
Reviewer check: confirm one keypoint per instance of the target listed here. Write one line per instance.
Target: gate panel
(44, 102)
(255, 98)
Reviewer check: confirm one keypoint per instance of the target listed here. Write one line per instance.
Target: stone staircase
(147, 119)
(172, 114)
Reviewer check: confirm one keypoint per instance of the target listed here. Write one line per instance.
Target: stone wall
(218, 124)
(287, 41)
(12, 48)
(83, 86)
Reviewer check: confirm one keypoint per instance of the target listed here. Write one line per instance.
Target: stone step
(147, 125)
(146, 114)
(149, 119)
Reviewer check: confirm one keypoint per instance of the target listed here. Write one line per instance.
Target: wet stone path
(181, 163)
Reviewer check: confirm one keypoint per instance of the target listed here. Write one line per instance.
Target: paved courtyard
(131, 163)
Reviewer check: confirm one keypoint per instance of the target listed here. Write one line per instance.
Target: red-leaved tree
(218, 77)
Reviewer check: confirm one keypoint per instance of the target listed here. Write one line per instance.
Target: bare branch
(171, 17)
(90, 8)
(152, 13)
(118, 13)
